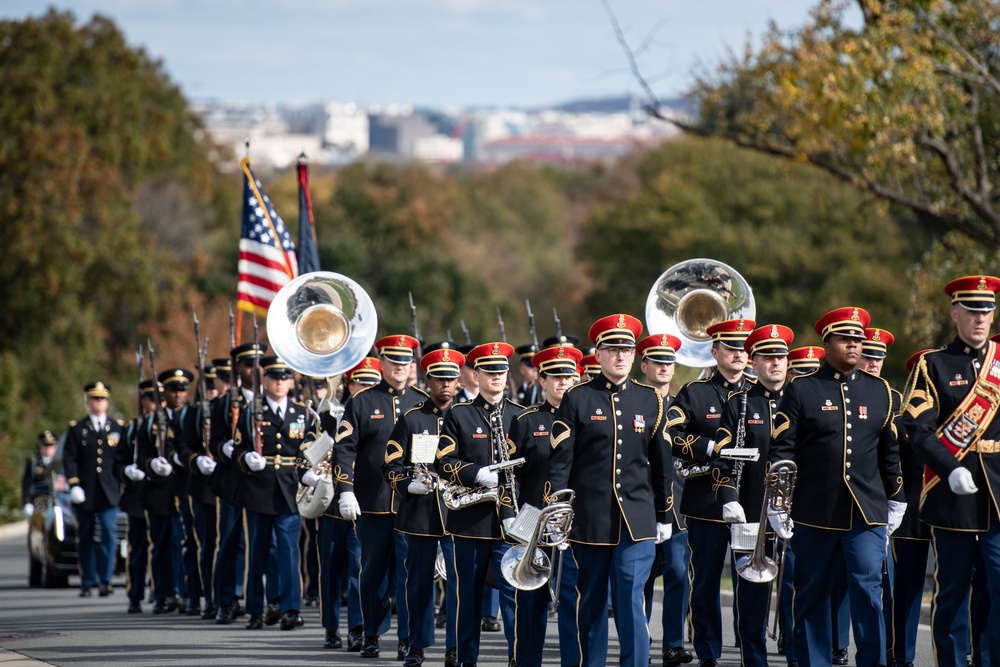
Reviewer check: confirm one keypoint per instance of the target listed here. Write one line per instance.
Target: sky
(438, 53)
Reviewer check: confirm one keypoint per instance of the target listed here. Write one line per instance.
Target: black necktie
(277, 411)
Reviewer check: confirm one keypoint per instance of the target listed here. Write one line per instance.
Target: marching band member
(693, 421)
(950, 400)
(659, 354)
(607, 445)
(473, 437)
(531, 434)
(740, 485)
(271, 483)
(420, 512)
(365, 496)
(88, 455)
(837, 426)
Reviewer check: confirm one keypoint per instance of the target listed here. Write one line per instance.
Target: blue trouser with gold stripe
(96, 570)
(230, 557)
(863, 551)
(421, 552)
(375, 531)
(450, 596)
(283, 529)
(627, 565)
(205, 531)
(908, 591)
(339, 551)
(751, 616)
(161, 564)
(472, 560)
(138, 558)
(709, 542)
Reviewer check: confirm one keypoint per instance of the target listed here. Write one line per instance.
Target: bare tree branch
(982, 168)
(984, 71)
(980, 205)
(653, 102)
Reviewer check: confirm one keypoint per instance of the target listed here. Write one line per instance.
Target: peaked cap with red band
(731, 333)
(490, 357)
(974, 292)
(616, 331)
(770, 340)
(848, 321)
(876, 343)
(661, 348)
(557, 360)
(398, 349)
(806, 358)
(368, 371)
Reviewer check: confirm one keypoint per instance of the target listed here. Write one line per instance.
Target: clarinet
(499, 439)
(741, 438)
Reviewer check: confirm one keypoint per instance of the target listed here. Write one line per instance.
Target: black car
(52, 556)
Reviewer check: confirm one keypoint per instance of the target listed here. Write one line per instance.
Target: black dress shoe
(208, 612)
(781, 644)
(173, 603)
(193, 607)
(840, 656)
(711, 662)
(440, 620)
(414, 658)
(160, 607)
(224, 616)
(491, 624)
(333, 640)
(676, 655)
(182, 604)
(135, 608)
(355, 639)
(254, 622)
(312, 601)
(271, 615)
(290, 620)
(237, 609)
(85, 592)
(402, 649)
(369, 649)
(105, 590)
(793, 663)
(451, 657)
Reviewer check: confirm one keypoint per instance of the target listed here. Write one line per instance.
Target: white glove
(310, 479)
(711, 448)
(417, 488)
(896, 512)
(663, 532)
(29, 509)
(161, 466)
(77, 496)
(349, 508)
(781, 523)
(255, 461)
(732, 512)
(960, 481)
(205, 464)
(487, 477)
(133, 473)
(176, 459)
(227, 449)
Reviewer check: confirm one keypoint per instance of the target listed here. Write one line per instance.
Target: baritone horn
(525, 566)
(691, 296)
(322, 324)
(779, 485)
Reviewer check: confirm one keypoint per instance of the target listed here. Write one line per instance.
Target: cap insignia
(810, 354)
(562, 352)
(664, 341)
(99, 385)
(876, 336)
(982, 283)
(741, 326)
(621, 322)
(854, 315)
(368, 362)
(774, 331)
(402, 341)
(496, 348)
(446, 356)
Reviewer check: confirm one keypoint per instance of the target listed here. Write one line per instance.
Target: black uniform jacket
(937, 384)
(912, 463)
(608, 445)
(465, 447)
(531, 434)
(191, 446)
(34, 471)
(693, 419)
(529, 394)
(838, 429)
(417, 514)
(124, 457)
(156, 492)
(88, 461)
(677, 519)
(273, 490)
(369, 417)
(227, 480)
(761, 410)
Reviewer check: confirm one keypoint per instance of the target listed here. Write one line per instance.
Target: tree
(904, 106)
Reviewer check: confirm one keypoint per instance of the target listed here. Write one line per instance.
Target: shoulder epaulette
(517, 405)
(73, 423)
(529, 411)
(420, 391)
(415, 408)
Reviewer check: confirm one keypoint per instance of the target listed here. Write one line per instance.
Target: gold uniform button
(100, 460)
(278, 436)
(277, 446)
(98, 468)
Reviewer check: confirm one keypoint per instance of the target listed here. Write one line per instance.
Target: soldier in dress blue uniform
(132, 478)
(468, 388)
(528, 392)
(272, 483)
(227, 483)
(474, 437)
(659, 354)
(88, 455)
(608, 445)
(950, 398)
(837, 425)
(365, 495)
(693, 422)
(740, 485)
(591, 368)
(337, 539)
(35, 469)
(421, 510)
(910, 544)
(531, 434)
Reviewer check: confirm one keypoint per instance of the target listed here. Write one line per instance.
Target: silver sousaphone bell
(691, 296)
(322, 324)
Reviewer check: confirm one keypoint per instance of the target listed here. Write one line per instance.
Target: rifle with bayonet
(555, 316)
(511, 383)
(465, 332)
(138, 411)
(234, 384)
(258, 399)
(419, 352)
(205, 405)
(531, 326)
(159, 413)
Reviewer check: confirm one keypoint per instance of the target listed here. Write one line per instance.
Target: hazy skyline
(441, 53)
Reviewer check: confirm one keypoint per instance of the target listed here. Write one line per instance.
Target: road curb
(12, 659)
(12, 530)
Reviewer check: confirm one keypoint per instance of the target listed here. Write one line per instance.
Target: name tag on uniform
(479, 435)
(540, 433)
(598, 418)
(755, 421)
(423, 448)
(715, 416)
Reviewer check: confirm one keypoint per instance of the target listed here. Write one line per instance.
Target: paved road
(55, 627)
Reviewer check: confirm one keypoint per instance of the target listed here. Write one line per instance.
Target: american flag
(267, 252)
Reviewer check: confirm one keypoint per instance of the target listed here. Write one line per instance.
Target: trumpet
(458, 497)
(778, 489)
(525, 566)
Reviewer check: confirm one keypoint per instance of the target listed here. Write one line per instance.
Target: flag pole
(239, 311)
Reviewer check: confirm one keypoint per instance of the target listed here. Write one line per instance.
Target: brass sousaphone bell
(691, 296)
(322, 324)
